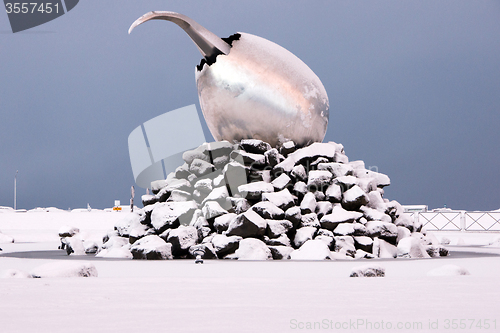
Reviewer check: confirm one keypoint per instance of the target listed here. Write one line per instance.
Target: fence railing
(458, 221)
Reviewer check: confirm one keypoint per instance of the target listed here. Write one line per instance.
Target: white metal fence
(458, 220)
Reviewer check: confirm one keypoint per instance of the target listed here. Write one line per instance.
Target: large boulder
(411, 247)
(337, 216)
(172, 214)
(303, 235)
(268, 210)
(151, 247)
(312, 250)
(182, 238)
(253, 249)
(248, 224)
(224, 245)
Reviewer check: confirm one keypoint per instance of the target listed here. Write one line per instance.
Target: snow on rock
(354, 198)
(68, 231)
(248, 224)
(312, 250)
(281, 252)
(384, 249)
(254, 191)
(212, 209)
(368, 271)
(303, 235)
(308, 204)
(65, 268)
(281, 182)
(182, 239)
(74, 246)
(268, 210)
(448, 270)
(276, 228)
(151, 247)
(283, 196)
(171, 214)
(283, 199)
(338, 215)
(255, 146)
(221, 223)
(115, 252)
(224, 245)
(253, 249)
(411, 247)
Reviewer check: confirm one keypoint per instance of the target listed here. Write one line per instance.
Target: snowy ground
(235, 296)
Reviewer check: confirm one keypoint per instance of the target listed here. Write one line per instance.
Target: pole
(15, 190)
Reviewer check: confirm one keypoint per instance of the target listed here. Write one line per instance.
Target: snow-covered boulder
(411, 247)
(254, 191)
(68, 231)
(337, 216)
(312, 250)
(248, 224)
(221, 223)
(281, 240)
(281, 252)
(151, 247)
(224, 245)
(268, 210)
(448, 270)
(172, 214)
(276, 228)
(182, 238)
(384, 249)
(74, 246)
(371, 270)
(303, 235)
(283, 199)
(116, 252)
(354, 198)
(253, 249)
(65, 268)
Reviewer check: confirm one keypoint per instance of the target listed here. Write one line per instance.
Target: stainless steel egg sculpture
(252, 88)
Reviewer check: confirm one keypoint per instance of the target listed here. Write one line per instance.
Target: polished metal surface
(255, 89)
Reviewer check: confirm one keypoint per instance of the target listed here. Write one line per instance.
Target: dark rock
(368, 271)
(323, 208)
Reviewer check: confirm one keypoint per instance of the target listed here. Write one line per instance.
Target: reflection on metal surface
(254, 88)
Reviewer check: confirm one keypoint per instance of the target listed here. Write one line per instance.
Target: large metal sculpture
(252, 88)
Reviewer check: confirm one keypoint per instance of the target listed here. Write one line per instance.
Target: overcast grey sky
(414, 89)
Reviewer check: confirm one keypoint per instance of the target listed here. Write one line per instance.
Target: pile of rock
(251, 201)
